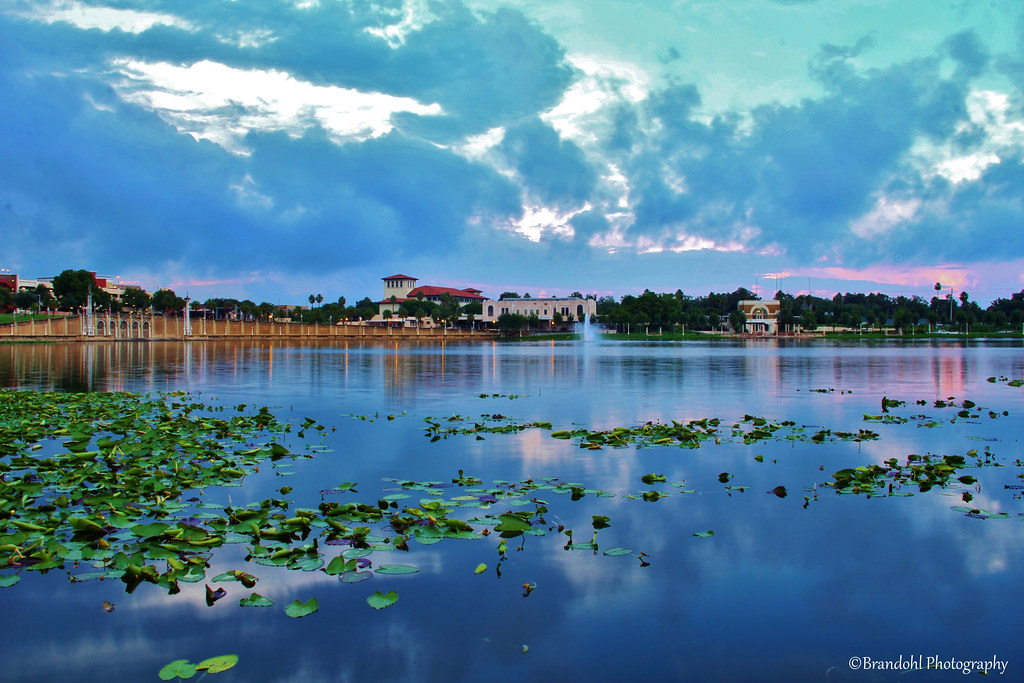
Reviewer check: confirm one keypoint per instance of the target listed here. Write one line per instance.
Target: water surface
(783, 591)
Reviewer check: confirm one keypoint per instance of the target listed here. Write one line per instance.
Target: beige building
(762, 316)
(544, 309)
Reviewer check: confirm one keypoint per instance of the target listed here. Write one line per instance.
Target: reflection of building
(544, 309)
(762, 316)
(400, 288)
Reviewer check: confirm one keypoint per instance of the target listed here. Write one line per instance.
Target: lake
(797, 582)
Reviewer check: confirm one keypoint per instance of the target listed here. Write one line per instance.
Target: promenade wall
(172, 328)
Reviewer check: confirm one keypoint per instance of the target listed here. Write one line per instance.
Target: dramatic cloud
(333, 140)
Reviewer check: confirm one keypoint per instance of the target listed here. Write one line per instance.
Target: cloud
(310, 137)
(552, 169)
(216, 102)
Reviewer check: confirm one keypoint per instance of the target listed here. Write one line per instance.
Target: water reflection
(781, 592)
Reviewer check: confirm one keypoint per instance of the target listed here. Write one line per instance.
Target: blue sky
(275, 149)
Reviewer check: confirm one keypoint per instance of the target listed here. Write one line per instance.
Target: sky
(269, 150)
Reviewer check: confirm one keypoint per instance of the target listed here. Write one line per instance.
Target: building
(762, 315)
(570, 308)
(401, 288)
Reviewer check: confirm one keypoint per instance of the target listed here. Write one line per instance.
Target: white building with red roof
(401, 288)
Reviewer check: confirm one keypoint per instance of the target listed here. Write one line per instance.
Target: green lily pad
(480, 568)
(179, 668)
(255, 600)
(704, 534)
(150, 530)
(381, 600)
(395, 569)
(512, 523)
(215, 665)
(298, 609)
(618, 552)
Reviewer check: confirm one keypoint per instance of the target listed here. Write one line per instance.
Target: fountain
(586, 329)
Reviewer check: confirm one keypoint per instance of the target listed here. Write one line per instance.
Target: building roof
(430, 290)
(399, 277)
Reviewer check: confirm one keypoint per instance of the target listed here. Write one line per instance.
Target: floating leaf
(704, 534)
(179, 668)
(297, 609)
(215, 665)
(512, 523)
(396, 569)
(256, 600)
(381, 600)
(618, 552)
(9, 580)
(150, 530)
(480, 568)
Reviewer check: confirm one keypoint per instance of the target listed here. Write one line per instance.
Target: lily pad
(255, 600)
(215, 665)
(396, 569)
(381, 600)
(179, 668)
(297, 609)
(618, 552)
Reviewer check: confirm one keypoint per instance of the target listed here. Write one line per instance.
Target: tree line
(70, 290)
(808, 312)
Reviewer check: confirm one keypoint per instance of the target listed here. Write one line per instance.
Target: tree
(312, 299)
(72, 289)
(808, 320)
(738, 320)
(364, 309)
(165, 300)
(508, 323)
(319, 299)
(447, 309)
(266, 310)
(341, 301)
(44, 297)
(903, 318)
(25, 299)
(137, 298)
(508, 295)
